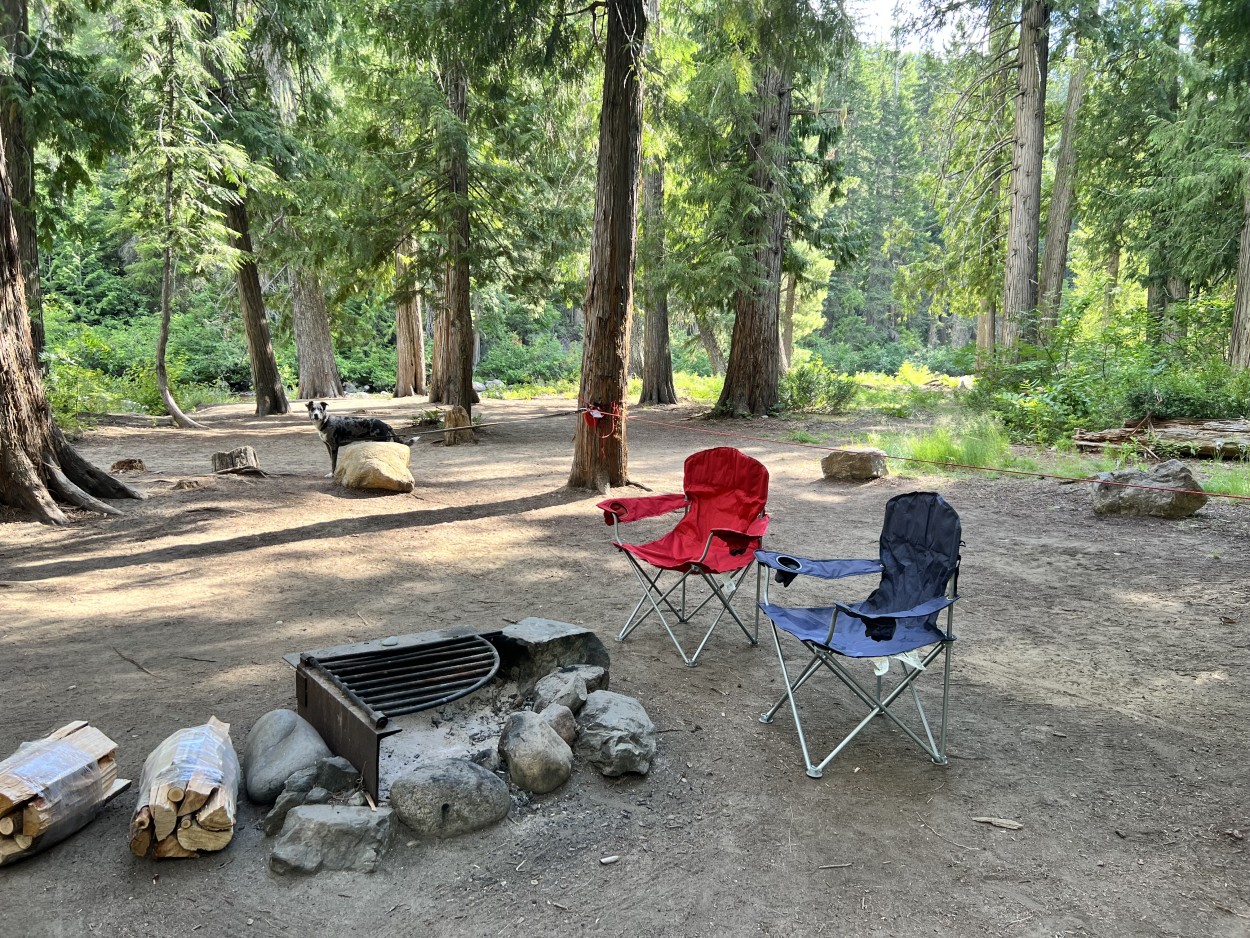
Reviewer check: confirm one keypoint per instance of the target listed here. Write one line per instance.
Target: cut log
(242, 458)
(194, 837)
(141, 832)
(9, 849)
(218, 814)
(1223, 439)
(9, 825)
(164, 810)
(199, 790)
(457, 417)
(170, 849)
(23, 842)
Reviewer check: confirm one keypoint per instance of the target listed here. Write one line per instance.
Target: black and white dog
(336, 432)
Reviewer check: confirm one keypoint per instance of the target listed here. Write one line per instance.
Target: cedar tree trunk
(707, 338)
(657, 356)
(409, 335)
(752, 375)
(1059, 217)
(452, 380)
(1113, 284)
(270, 394)
(787, 321)
(1239, 344)
(318, 370)
(1020, 280)
(38, 467)
(600, 453)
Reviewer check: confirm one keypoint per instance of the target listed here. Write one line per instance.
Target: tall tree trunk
(707, 338)
(751, 377)
(1112, 289)
(38, 467)
(318, 370)
(267, 383)
(600, 451)
(787, 321)
(452, 381)
(1020, 286)
(1175, 323)
(167, 296)
(987, 330)
(1059, 217)
(409, 333)
(1156, 303)
(19, 158)
(657, 355)
(1239, 343)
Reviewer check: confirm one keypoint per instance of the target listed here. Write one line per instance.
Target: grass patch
(979, 441)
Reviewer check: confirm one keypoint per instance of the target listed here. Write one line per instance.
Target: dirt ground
(1099, 698)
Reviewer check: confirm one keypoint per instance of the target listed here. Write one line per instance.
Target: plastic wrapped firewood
(187, 794)
(52, 787)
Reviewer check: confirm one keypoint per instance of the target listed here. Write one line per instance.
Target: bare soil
(1099, 699)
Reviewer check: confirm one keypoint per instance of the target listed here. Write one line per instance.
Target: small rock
(317, 795)
(331, 837)
(562, 721)
(538, 759)
(336, 774)
(302, 780)
(450, 797)
(596, 678)
(560, 688)
(615, 734)
(854, 464)
(279, 744)
(487, 758)
(277, 814)
(357, 799)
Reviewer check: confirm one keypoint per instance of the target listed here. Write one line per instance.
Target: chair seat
(850, 639)
(679, 551)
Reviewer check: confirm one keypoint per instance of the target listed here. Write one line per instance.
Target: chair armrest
(788, 567)
(624, 510)
(741, 541)
(927, 607)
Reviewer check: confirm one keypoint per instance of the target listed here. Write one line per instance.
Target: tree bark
(409, 335)
(600, 452)
(38, 467)
(314, 347)
(452, 380)
(751, 376)
(1020, 287)
(1112, 289)
(707, 338)
(267, 383)
(657, 370)
(1059, 217)
(19, 158)
(787, 321)
(1239, 343)
(987, 330)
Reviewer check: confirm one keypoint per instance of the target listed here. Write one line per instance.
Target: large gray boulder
(535, 647)
(615, 734)
(330, 837)
(1173, 474)
(538, 759)
(450, 797)
(280, 743)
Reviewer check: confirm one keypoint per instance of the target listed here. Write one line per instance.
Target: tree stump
(242, 458)
(457, 417)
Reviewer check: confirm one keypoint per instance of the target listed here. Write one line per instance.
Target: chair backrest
(919, 551)
(726, 488)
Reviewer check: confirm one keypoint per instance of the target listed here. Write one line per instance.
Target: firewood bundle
(187, 794)
(52, 787)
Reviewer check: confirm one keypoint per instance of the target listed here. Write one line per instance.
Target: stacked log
(52, 787)
(188, 794)
(1213, 439)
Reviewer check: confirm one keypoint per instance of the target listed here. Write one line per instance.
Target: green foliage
(1214, 391)
(544, 361)
(976, 441)
(813, 388)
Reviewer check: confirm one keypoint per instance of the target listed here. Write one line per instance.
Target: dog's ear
(325, 406)
(310, 406)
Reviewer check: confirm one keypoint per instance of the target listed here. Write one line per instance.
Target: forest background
(187, 161)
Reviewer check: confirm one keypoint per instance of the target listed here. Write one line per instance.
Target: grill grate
(388, 683)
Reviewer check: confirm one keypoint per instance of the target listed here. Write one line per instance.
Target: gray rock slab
(560, 687)
(615, 734)
(450, 797)
(280, 744)
(276, 818)
(596, 678)
(1121, 500)
(337, 775)
(538, 759)
(535, 647)
(332, 837)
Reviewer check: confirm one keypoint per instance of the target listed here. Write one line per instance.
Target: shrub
(813, 388)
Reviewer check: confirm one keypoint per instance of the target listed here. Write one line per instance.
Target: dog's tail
(409, 442)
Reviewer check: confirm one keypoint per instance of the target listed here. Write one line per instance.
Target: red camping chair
(724, 520)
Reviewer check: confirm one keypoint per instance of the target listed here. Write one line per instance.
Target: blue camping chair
(919, 568)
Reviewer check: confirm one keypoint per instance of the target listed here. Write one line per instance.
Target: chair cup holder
(790, 563)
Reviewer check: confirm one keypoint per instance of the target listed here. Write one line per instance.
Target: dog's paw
(329, 475)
